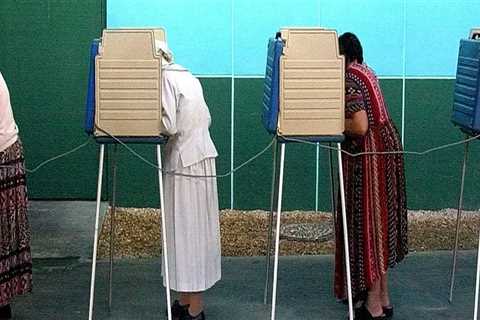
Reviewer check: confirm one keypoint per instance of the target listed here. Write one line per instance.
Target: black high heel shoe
(178, 311)
(364, 314)
(388, 311)
(5, 312)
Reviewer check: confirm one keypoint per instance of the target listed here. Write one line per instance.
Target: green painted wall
(44, 56)
(434, 180)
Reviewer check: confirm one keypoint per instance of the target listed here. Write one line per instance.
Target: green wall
(43, 56)
(44, 59)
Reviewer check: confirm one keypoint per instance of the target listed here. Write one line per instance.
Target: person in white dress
(191, 203)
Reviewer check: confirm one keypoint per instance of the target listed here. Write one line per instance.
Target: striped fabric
(15, 256)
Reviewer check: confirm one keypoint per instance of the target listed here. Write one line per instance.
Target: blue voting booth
(466, 115)
(466, 103)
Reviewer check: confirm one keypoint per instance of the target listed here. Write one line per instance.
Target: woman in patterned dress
(15, 256)
(374, 188)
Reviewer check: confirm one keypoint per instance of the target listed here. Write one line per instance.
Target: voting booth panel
(311, 83)
(128, 77)
(271, 85)
(89, 125)
(466, 105)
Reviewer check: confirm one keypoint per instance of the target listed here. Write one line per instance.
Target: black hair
(350, 47)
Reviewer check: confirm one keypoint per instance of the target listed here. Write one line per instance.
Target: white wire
(419, 153)
(172, 172)
(53, 158)
(256, 156)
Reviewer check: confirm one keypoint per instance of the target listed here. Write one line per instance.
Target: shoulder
(3, 85)
(176, 71)
(2, 80)
(353, 82)
(174, 68)
(360, 73)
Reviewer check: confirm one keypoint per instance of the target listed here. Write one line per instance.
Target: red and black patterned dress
(374, 190)
(15, 256)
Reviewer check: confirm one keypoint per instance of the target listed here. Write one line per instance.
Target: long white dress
(191, 204)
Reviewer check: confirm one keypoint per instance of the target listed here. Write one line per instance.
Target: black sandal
(388, 311)
(187, 316)
(5, 312)
(364, 314)
(178, 310)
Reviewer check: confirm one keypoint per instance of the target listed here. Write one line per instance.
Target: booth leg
(457, 229)
(477, 282)
(270, 224)
(164, 232)
(95, 239)
(112, 225)
(345, 233)
(277, 233)
(332, 187)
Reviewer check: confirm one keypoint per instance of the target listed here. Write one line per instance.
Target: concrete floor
(419, 286)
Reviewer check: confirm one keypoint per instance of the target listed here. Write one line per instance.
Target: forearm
(353, 129)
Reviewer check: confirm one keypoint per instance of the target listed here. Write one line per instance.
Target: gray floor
(63, 228)
(61, 284)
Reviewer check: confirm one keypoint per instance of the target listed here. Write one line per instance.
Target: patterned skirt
(15, 256)
(376, 211)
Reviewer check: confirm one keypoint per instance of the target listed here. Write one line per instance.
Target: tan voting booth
(128, 106)
(310, 108)
(311, 83)
(128, 77)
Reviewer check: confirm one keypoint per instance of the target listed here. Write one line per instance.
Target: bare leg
(374, 302)
(385, 297)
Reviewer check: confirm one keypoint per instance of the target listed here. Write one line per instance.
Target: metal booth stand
(303, 102)
(158, 141)
(276, 195)
(124, 106)
(466, 115)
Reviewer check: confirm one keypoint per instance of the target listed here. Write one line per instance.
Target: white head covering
(162, 49)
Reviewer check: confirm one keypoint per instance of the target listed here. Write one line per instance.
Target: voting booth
(124, 94)
(466, 105)
(128, 75)
(466, 115)
(124, 105)
(303, 101)
(304, 89)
